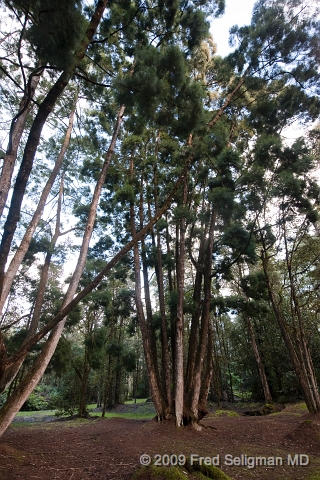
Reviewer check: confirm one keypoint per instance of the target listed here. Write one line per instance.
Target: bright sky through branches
(237, 12)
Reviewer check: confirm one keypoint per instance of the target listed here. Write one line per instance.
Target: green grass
(227, 413)
(143, 411)
(301, 407)
(36, 413)
(139, 400)
(131, 416)
(138, 411)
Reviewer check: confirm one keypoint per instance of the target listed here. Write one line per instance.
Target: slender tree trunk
(99, 277)
(205, 318)
(205, 386)
(257, 356)
(17, 128)
(303, 349)
(83, 376)
(45, 108)
(25, 242)
(146, 287)
(106, 387)
(171, 288)
(179, 326)
(11, 372)
(216, 377)
(166, 373)
(308, 397)
(34, 375)
(82, 411)
(159, 274)
(195, 320)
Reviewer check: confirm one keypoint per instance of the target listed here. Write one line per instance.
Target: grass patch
(133, 411)
(129, 415)
(132, 402)
(36, 413)
(180, 473)
(139, 401)
(227, 413)
(161, 473)
(297, 407)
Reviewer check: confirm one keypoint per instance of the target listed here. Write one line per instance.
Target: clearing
(110, 448)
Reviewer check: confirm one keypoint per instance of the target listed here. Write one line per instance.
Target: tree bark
(205, 385)
(257, 356)
(195, 320)
(179, 325)
(16, 131)
(166, 374)
(195, 392)
(146, 288)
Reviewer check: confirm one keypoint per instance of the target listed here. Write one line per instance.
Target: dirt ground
(110, 449)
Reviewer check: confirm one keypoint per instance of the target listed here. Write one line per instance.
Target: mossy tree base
(189, 471)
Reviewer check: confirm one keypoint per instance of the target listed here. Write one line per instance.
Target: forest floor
(110, 448)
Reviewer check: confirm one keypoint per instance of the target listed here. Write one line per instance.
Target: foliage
(35, 402)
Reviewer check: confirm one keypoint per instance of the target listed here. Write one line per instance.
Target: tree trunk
(307, 393)
(25, 242)
(195, 320)
(166, 374)
(157, 397)
(10, 373)
(32, 378)
(17, 128)
(206, 381)
(146, 288)
(205, 318)
(257, 356)
(45, 108)
(179, 326)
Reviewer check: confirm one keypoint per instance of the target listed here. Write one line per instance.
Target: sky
(237, 12)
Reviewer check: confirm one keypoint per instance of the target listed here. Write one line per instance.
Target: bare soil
(110, 449)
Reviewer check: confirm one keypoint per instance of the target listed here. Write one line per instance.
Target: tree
(71, 60)
(200, 138)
